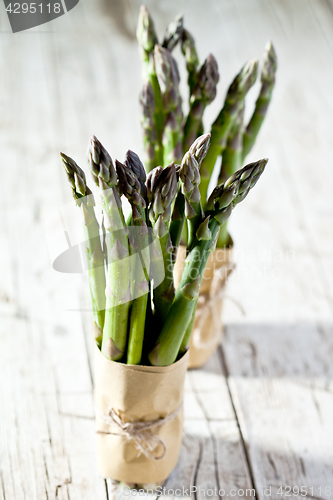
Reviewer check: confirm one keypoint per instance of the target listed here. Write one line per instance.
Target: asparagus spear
(203, 94)
(145, 32)
(147, 40)
(117, 289)
(199, 150)
(94, 254)
(162, 188)
(240, 143)
(147, 101)
(133, 163)
(187, 337)
(168, 79)
(200, 147)
(190, 179)
(232, 155)
(173, 33)
(219, 208)
(191, 57)
(267, 86)
(131, 177)
(177, 222)
(225, 120)
(231, 162)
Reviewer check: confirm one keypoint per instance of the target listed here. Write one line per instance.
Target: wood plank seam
(244, 446)
(201, 444)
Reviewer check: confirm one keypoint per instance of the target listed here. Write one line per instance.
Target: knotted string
(146, 442)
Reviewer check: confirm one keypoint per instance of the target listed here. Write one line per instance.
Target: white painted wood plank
(223, 457)
(49, 404)
(280, 379)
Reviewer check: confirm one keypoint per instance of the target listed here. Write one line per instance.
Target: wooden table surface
(260, 414)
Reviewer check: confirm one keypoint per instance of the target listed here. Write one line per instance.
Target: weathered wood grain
(47, 426)
(281, 384)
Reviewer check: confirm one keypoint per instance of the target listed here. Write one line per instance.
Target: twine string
(138, 432)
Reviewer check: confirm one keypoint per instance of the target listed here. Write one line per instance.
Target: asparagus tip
(135, 164)
(145, 30)
(269, 63)
(173, 33)
(76, 178)
(189, 50)
(200, 147)
(248, 75)
(207, 80)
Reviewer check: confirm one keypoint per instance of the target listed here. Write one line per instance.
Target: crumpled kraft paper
(208, 327)
(138, 393)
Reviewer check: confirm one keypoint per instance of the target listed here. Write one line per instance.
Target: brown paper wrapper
(208, 327)
(138, 393)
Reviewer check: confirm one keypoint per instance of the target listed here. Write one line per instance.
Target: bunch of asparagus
(168, 134)
(140, 317)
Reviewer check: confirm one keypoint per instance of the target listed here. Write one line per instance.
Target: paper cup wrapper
(138, 394)
(208, 327)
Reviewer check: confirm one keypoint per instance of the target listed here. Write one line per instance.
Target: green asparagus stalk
(162, 188)
(264, 99)
(147, 40)
(191, 58)
(131, 177)
(177, 222)
(169, 341)
(225, 120)
(199, 150)
(93, 250)
(203, 94)
(232, 155)
(231, 162)
(240, 143)
(138, 313)
(187, 337)
(147, 101)
(117, 286)
(219, 208)
(168, 78)
(190, 179)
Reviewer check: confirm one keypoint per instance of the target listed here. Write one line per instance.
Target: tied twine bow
(145, 441)
(207, 306)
